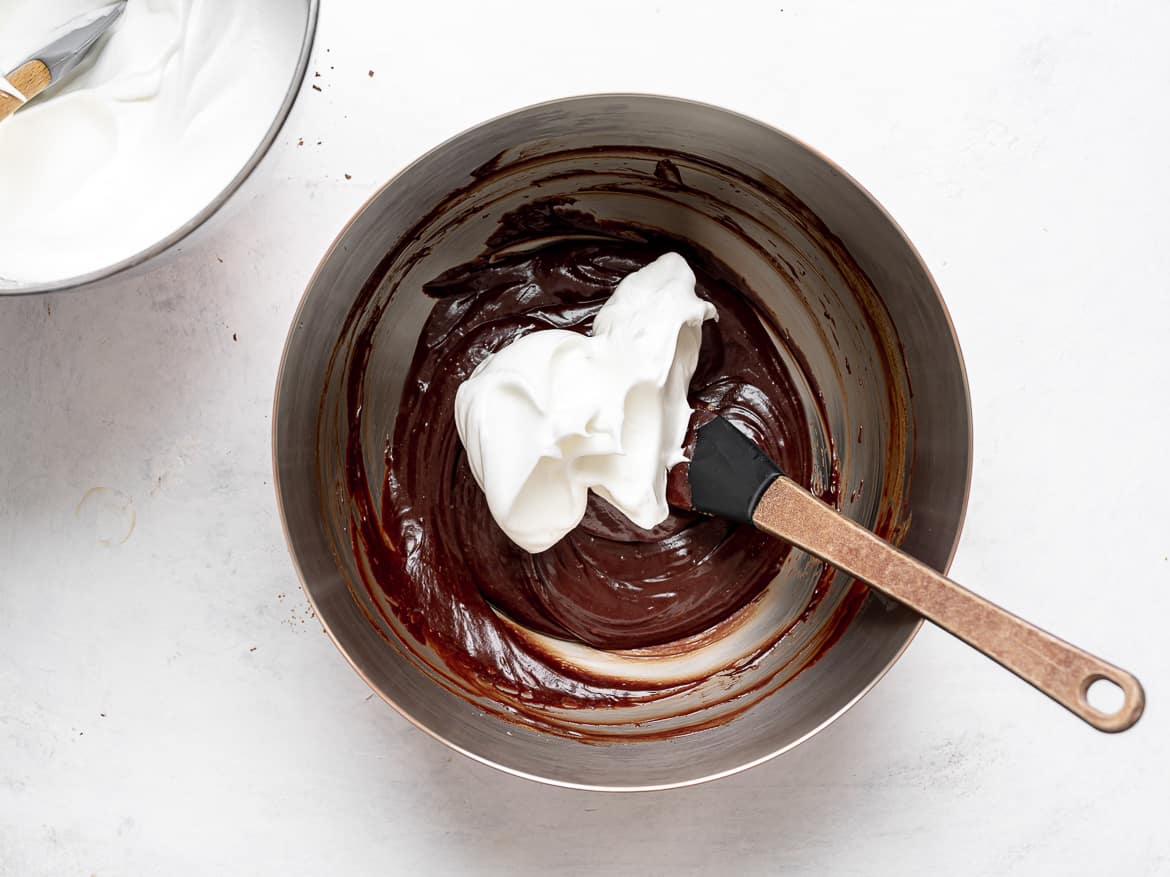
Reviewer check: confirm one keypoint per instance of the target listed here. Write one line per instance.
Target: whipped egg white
(143, 135)
(555, 414)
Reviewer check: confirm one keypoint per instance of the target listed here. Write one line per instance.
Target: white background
(167, 705)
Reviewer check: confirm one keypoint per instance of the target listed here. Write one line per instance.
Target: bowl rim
(213, 206)
(335, 246)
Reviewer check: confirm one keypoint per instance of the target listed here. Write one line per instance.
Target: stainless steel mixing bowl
(182, 235)
(830, 268)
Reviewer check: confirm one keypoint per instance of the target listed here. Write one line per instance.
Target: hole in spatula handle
(1105, 696)
(1111, 702)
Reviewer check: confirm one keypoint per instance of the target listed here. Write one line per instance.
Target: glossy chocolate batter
(608, 584)
(431, 555)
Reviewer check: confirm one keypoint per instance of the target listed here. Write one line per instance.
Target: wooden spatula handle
(1060, 670)
(30, 78)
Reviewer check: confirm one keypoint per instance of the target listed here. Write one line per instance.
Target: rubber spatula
(57, 60)
(730, 477)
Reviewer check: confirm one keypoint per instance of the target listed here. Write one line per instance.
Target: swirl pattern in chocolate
(608, 584)
(612, 616)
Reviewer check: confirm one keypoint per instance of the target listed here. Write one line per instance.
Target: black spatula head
(728, 472)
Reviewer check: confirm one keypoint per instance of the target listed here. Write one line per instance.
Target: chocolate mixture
(451, 576)
(608, 584)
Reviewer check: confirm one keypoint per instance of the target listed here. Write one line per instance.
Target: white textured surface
(166, 705)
